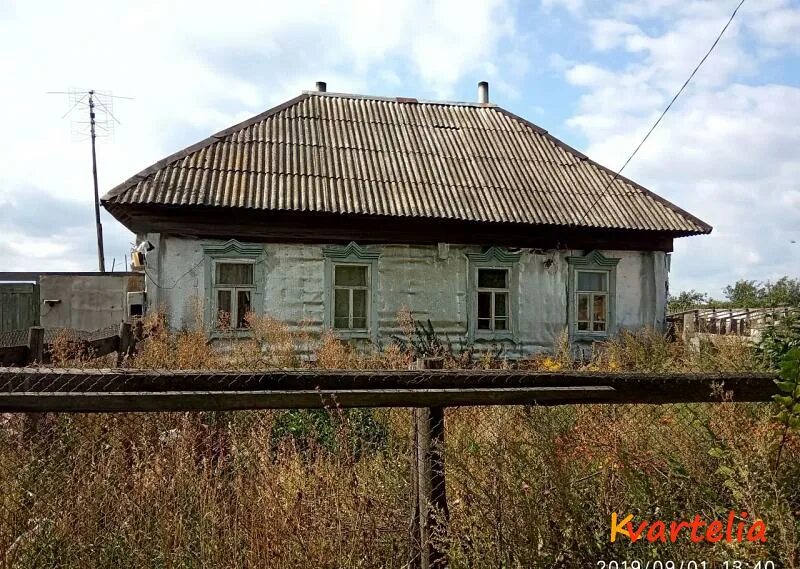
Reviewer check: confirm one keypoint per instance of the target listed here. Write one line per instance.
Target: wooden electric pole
(101, 262)
(102, 101)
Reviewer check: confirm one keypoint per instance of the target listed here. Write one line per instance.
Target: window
(350, 297)
(234, 286)
(592, 301)
(493, 282)
(591, 295)
(351, 289)
(493, 296)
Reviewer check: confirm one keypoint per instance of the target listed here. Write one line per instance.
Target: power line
(663, 113)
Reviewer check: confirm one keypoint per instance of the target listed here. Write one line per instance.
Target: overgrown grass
(527, 486)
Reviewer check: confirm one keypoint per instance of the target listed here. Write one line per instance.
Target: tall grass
(527, 486)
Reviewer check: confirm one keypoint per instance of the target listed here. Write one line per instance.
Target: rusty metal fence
(381, 469)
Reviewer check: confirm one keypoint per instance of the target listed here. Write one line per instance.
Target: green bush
(778, 338)
(353, 430)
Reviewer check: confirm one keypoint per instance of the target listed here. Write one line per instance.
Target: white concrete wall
(415, 277)
(85, 302)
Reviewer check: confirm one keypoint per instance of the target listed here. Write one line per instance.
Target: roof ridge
(401, 100)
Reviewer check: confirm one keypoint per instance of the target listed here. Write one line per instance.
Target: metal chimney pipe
(483, 92)
(322, 86)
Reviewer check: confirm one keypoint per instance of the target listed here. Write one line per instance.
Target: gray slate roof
(349, 154)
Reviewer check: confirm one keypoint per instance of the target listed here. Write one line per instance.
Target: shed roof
(350, 154)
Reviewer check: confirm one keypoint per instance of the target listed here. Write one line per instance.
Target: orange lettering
(618, 527)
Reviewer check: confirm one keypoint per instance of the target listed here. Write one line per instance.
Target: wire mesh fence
(524, 485)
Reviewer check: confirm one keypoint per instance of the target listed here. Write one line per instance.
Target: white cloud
(573, 6)
(195, 67)
(777, 25)
(608, 33)
(727, 150)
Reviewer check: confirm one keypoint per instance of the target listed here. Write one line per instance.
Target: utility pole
(97, 102)
(101, 263)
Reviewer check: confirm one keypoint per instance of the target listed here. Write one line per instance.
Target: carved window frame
(493, 258)
(594, 262)
(352, 254)
(231, 251)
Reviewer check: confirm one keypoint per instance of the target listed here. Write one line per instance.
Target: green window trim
(232, 252)
(596, 303)
(502, 325)
(355, 256)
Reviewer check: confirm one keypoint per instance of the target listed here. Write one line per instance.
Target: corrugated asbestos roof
(348, 154)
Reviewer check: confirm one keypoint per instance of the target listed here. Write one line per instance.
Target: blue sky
(595, 74)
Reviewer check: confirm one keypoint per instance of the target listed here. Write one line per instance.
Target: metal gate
(19, 306)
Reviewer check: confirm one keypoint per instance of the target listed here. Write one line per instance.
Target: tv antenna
(100, 105)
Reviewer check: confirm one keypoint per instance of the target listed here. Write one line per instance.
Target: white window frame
(493, 291)
(234, 290)
(497, 258)
(353, 254)
(592, 294)
(592, 262)
(350, 289)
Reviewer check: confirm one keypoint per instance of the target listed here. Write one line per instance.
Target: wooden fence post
(689, 326)
(415, 546)
(35, 355)
(431, 514)
(126, 341)
(35, 344)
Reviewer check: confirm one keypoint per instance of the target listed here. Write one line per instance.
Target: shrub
(779, 337)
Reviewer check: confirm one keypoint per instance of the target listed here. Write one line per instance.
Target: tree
(742, 294)
(745, 294)
(783, 292)
(686, 300)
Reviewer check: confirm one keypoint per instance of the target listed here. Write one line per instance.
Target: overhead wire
(663, 113)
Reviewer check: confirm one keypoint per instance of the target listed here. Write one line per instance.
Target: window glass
(599, 305)
(501, 324)
(592, 281)
(492, 278)
(500, 305)
(223, 308)
(341, 308)
(359, 308)
(235, 273)
(583, 307)
(243, 306)
(484, 305)
(349, 275)
(484, 310)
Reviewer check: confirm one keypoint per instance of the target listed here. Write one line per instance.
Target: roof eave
(705, 228)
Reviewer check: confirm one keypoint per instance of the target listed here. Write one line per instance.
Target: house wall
(431, 282)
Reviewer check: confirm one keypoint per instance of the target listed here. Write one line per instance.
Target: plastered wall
(431, 281)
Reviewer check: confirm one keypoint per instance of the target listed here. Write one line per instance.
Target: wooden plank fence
(726, 321)
(107, 390)
(19, 305)
(37, 351)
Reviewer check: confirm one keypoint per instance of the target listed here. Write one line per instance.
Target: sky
(594, 73)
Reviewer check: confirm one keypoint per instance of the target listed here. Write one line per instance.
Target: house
(336, 210)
